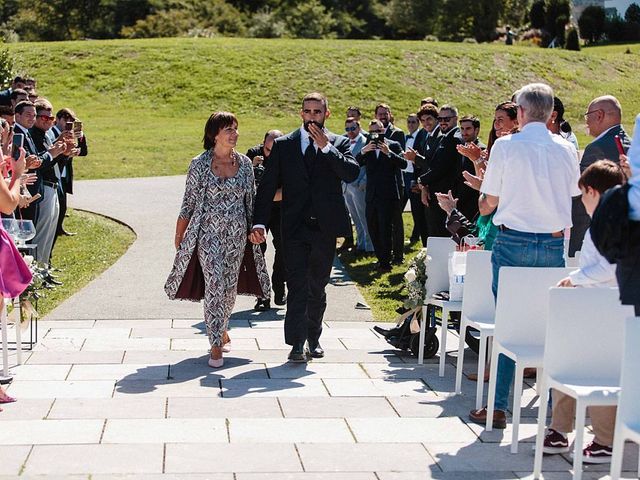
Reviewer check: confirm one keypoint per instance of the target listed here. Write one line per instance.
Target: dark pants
(580, 220)
(308, 263)
(278, 275)
(62, 200)
(397, 228)
(628, 270)
(380, 215)
(436, 220)
(417, 209)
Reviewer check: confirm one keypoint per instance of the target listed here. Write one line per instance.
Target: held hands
(319, 137)
(257, 236)
(473, 181)
(447, 202)
(257, 160)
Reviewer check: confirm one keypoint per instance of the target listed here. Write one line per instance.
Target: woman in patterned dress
(213, 224)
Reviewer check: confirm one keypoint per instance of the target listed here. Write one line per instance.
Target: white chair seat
(452, 306)
(593, 392)
(480, 323)
(531, 355)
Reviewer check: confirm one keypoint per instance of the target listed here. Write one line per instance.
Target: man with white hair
(531, 177)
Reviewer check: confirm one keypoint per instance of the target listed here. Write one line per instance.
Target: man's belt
(504, 228)
(50, 184)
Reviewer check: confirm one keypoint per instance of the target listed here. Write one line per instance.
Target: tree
(615, 28)
(537, 14)
(309, 19)
(573, 42)
(265, 24)
(455, 21)
(413, 19)
(557, 16)
(633, 13)
(485, 19)
(592, 23)
(6, 67)
(514, 13)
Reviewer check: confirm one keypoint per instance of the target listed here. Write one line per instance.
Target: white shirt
(304, 142)
(410, 140)
(594, 269)
(571, 137)
(634, 181)
(534, 173)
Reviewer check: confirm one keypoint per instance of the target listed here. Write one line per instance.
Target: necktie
(310, 155)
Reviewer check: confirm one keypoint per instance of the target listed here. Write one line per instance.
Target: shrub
(6, 67)
(592, 23)
(573, 42)
(265, 24)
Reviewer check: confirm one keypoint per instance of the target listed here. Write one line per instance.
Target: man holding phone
(310, 164)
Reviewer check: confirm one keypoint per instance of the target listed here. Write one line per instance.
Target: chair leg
(491, 395)
(481, 361)
(443, 339)
(618, 451)
(460, 362)
(517, 406)
(423, 329)
(581, 413)
(542, 420)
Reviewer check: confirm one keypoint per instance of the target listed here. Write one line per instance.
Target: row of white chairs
(518, 325)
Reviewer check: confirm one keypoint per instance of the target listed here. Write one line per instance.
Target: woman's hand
(625, 166)
(565, 282)
(447, 202)
(19, 166)
(473, 181)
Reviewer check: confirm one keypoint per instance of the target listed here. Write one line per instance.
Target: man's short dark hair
(352, 120)
(382, 105)
(272, 133)
(43, 104)
(355, 109)
(17, 92)
(428, 109)
(475, 121)
(66, 113)
(19, 108)
(601, 176)
(451, 108)
(428, 100)
(19, 79)
(6, 110)
(316, 97)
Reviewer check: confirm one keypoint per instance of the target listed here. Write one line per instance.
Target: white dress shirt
(305, 140)
(410, 140)
(594, 269)
(534, 173)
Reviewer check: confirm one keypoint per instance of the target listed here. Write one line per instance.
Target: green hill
(145, 102)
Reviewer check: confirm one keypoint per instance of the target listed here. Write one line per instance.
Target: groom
(309, 164)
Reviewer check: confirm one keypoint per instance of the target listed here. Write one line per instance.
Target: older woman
(212, 228)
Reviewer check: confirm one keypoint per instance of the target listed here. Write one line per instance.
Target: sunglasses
(350, 129)
(412, 121)
(444, 119)
(46, 117)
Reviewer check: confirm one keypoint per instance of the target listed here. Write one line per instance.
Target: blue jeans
(519, 249)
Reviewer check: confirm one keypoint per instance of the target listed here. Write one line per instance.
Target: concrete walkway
(118, 386)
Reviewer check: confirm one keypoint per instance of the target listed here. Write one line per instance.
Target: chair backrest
(522, 307)
(573, 262)
(477, 301)
(438, 250)
(585, 334)
(628, 405)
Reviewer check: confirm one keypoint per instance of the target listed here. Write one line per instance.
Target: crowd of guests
(48, 142)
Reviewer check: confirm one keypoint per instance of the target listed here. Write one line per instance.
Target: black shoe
(298, 353)
(393, 332)
(262, 305)
(397, 261)
(346, 245)
(280, 300)
(383, 267)
(316, 350)
(50, 280)
(66, 234)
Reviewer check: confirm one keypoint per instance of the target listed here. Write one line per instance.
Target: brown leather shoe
(530, 373)
(480, 417)
(474, 376)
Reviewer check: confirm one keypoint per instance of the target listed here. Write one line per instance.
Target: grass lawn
(98, 244)
(383, 292)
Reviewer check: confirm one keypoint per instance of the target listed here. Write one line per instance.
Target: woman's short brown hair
(217, 121)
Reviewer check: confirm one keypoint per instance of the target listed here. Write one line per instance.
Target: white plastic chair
(522, 309)
(573, 262)
(478, 311)
(582, 356)
(438, 250)
(628, 416)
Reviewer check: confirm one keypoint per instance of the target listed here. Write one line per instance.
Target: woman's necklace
(219, 163)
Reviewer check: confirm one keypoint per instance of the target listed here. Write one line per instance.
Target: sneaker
(555, 442)
(596, 453)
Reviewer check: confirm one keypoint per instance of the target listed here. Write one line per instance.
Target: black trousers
(436, 220)
(278, 275)
(580, 220)
(62, 200)
(380, 220)
(308, 262)
(628, 276)
(397, 228)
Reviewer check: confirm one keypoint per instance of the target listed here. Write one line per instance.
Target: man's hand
(57, 148)
(424, 195)
(32, 162)
(473, 181)
(319, 137)
(410, 155)
(28, 178)
(625, 165)
(257, 236)
(369, 147)
(257, 160)
(24, 201)
(470, 150)
(565, 282)
(384, 148)
(446, 201)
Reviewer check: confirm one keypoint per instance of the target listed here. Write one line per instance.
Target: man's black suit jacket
(382, 173)
(420, 138)
(467, 196)
(443, 167)
(397, 135)
(67, 162)
(427, 149)
(605, 147)
(320, 187)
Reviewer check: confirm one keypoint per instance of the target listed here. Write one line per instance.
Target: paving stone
(203, 387)
(410, 430)
(202, 344)
(270, 343)
(45, 477)
(586, 475)
(439, 475)
(160, 357)
(79, 408)
(336, 407)
(223, 408)
(487, 457)
(59, 345)
(196, 323)
(370, 344)
(301, 387)
(315, 370)
(119, 372)
(164, 476)
(40, 372)
(526, 434)
(271, 324)
(351, 333)
(289, 430)
(166, 430)
(12, 458)
(374, 387)
(200, 458)
(62, 389)
(306, 476)
(142, 332)
(119, 344)
(233, 368)
(95, 459)
(44, 325)
(38, 432)
(135, 323)
(431, 406)
(121, 333)
(356, 356)
(25, 409)
(361, 457)
(398, 370)
(68, 358)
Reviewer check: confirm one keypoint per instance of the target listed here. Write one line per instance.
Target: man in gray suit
(603, 118)
(354, 192)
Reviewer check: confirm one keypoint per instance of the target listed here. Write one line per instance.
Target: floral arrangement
(29, 297)
(415, 279)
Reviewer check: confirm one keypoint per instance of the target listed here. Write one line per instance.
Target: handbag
(248, 282)
(192, 285)
(15, 275)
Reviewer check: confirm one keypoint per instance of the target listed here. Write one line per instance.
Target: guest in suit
(421, 155)
(354, 112)
(603, 118)
(442, 169)
(5, 95)
(354, 192)
(467, 196)
(384, 115)
(258, 155)
(383, 160)
(416, 135)
(309, 163)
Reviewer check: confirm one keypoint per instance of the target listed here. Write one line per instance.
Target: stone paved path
(118, 386)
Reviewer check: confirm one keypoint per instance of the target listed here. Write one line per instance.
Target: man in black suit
(384, 115)
(467, 196)
(5, 95)
(416, 136)
(603, 118)
(383, 160)
(309, 164)
(443, 169)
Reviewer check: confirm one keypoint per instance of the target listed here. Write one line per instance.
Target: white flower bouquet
(415, 279)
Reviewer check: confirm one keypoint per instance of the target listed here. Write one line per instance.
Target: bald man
(603, 119)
